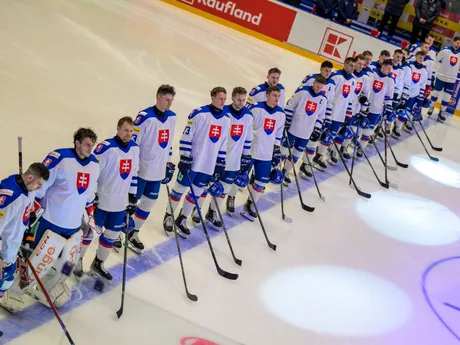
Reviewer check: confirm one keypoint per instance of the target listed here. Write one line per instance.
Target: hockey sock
(365, 136)
(176, 195)
(445, 101)
(143, 211)
(219, 200)
(86, 242)
(322, 148)
(257, 189)
(189, 202)
(105, 246)
(233, 190)
(309, 150)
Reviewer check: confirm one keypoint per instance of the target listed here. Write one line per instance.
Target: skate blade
(304, 176)
(231, 214)
(96, 276)
(247, 216)
(318, 167)
(134, 249)
(285, 184)
(212, 226)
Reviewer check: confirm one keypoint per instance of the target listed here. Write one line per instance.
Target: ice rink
(354, 272)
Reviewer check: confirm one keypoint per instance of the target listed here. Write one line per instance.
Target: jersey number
(187, 130)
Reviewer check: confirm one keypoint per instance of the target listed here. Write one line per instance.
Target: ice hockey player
(429, 39)
(413, 105)
(377, 65)
(402, 84)
(447, 73)
(116, 190)
(345, 84)
(380, 102)
(258, 93)
(17, 195)
(429, 64)
(303, 121)
(360, 103)
(238, 159)
(268, 127)
(153, 132)
(69, 191)
(328, 90)
(203, 148)
(368, 56)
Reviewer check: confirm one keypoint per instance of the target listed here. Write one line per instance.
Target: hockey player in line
(258, 93)
(429, 63)
(413, 106)
(448, 62)
(69, 190)
(360, 103)
(367, 65)
(17, 195)
(416, 47)
(377, 65)
(238, 159)
(203, 148)
(306, 117)
(116, 189)
(380, 102)
(153, 132)
(268, 127)
(345, 84)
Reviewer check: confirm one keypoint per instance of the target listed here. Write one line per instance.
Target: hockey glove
(245, 162)
(428, 90)
(315, 134)
(403, 102)
(287, 124)
(185, 164)
(362, 100)
(276, 156)
(219, 170)
(327, 123)
(388, 111)
(28, 242)
(417, 113)
(170, 168)
(131, 208)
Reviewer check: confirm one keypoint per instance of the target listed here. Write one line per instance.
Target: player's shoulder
(281, 87)
(9, 191)
(258, 88)
(199, 112)
(309, 77)
(143, 116)
(57, 156)
(433, 49)
(170, 113)
(105, 146)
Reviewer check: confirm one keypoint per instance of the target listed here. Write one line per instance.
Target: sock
(445, 101)
(219, 203)
(86, 242)
(142, 211)
(105, 246)
(257, 190)
(233, 190)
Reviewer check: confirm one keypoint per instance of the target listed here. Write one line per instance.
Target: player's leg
(402, 116)
(7, 278)
(336, 127)
(199, 182)
(115, 222)
(435, 93)
(325, 141)
(310, 150)
(262, 177)
(99, 219)
(448, 90)
(211, 215)
(298, 146)
(371, 122)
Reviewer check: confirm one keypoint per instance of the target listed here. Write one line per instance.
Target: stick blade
(403, 165)
(384, 184)
(287, 219)
(228, 275)
(120, 312)
(439, 149)
(394, 185)
(272, 246)
(435, 159)
(307, 208)
(364, 194)
(192, 297)
(238, 261)
(392, 168)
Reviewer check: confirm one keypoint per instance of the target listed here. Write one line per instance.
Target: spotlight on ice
(446, 172)
(336, 301)
(410, 218)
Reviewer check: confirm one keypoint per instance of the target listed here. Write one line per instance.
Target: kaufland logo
(228, 7)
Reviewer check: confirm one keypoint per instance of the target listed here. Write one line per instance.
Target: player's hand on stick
(185, 164)
(170, 168)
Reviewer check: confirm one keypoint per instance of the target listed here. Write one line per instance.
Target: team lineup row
(116, 186)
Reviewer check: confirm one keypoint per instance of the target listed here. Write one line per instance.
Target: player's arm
(219, 170)
(294, 103)
(10, 220)
(52, 162)
(185, 143)
(140, 129)
(253, 97)
(321, 114)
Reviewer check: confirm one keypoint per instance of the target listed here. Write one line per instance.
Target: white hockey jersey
(268, 130)
(361, 89)
(118, 173)
(240, 136)
(328, 90)
(259, 94)
(70, 188)
(309, 111)
(419, 77)
(401, 78)
(345, 85)
(205, 138)
(448, 62)
(414, 48)
(154, 135)
(381, 92)
(429, 64)
(15, 205)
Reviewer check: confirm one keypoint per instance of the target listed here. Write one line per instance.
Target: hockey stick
(125, 259)
(190, 296)
(402, 165)
(439, 149)
(385, 137)
(50, 302)
(389, 167)
(225, 274)
(314, 178)
(304, 206)
(237, 261)
(361, 193)
(436, 159)
(354, 151)
(285, 218)
(271, 245)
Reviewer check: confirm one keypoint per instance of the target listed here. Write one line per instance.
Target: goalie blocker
(50, 258)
